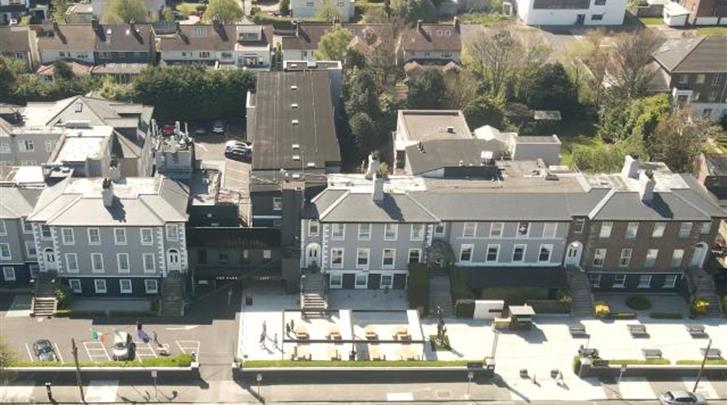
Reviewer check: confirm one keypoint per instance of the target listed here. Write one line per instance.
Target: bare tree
(381, 42)
(628, 65)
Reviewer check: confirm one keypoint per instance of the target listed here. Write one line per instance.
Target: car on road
(218, 127)
(681, 397)
(44, 350)
(123, 348)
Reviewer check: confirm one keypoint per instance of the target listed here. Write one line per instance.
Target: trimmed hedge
(464, 308)
(458, 283)
(638, 302)
(666, 315)
(621, 315)
(417, 290)
(358, 363)
(716, 362)
(617, 362)
(181, 360)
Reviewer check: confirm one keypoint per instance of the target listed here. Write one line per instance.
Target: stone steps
(44, 306)
(580, 290)
(440, 295)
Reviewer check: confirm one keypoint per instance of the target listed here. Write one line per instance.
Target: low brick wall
(67, 375)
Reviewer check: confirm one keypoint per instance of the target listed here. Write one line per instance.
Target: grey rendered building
(18, 254)
(112, 238)
(639, 230)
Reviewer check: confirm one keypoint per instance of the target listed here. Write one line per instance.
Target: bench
(696, 330)
(577, 330)
(650, 354)
(712, 354)
(638, 330)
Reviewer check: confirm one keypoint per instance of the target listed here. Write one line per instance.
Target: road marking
(201, 146)
(30, 354)
(188, 327)
(636, 388)
(102, 391)
(96, 347)
(704, 388)
(17, 394)
(146, 348)
(399, 396)
(58, 352)
(189, 346)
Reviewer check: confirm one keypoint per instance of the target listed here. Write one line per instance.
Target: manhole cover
(443, 394)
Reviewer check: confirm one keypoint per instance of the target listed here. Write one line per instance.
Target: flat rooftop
(430, 125)
(79, 144)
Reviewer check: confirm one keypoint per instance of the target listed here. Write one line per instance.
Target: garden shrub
(464, 308)
(417, 290)
(638, 302)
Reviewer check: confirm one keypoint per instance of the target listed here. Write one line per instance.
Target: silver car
(681, 397)
(123, 348)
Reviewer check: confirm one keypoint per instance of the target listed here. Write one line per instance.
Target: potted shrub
(601, 309)
(638, 302)
(699, 306)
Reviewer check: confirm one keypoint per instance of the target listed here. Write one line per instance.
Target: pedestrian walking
(139, 325)
(287, 329)
(156, 338)
(275, 342)
(262, 340)
(292, 325)
(265, 329)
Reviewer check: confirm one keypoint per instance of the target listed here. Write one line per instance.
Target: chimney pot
(378, 191)
(419, 25)
(107, 192)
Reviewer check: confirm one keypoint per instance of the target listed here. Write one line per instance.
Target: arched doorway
(700, 253)
(50, 259)
(313, 255)
(172, 259)
(573, 254)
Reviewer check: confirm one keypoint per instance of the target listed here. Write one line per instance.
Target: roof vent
(311, 164)
(293, 87)
(450, 130)
(294, 122)
(297, 175)
(296, 157)
(294, 105)
(296, 146)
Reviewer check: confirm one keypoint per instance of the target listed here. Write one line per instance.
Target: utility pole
(704, 361)
(78, 369)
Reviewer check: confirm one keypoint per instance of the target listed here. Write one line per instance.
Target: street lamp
(470, 376)
(621, 372)
(49, 392)
(156, 392)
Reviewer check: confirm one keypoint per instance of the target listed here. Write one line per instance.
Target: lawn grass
(712, 31)
(618, 362)
(719, 362)
(484, 19)
(181, 360)
(651, 20)
(341, 363)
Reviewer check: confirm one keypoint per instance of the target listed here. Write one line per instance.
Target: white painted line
(187, 327)
(144, 350)
(102, 349)
(399, 396)
(102, 391)
(58, 352)
(30, 354)
(636, 388)
(704, 388)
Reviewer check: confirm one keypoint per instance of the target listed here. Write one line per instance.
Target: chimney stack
(630, 168)
(646, 186)
(115, 172)
(419, 25)
(373, 167)
(378, 192)
(107, 192)
(94, 23)
(456, 23)
(297, 29)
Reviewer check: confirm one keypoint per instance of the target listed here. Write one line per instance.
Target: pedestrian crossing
(102, 391)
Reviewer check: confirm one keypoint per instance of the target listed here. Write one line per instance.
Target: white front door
(50, 259)
(700, 253)
(312, 255)
(573, 254)
(172, 259)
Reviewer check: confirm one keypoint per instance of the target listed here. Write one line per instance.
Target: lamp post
(156, 392)
(621, 372)
(259, 378)
(470, 376)
(49, 392)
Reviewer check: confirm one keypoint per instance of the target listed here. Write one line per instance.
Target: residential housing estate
(571, 12)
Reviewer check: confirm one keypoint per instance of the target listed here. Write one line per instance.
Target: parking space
(189, 347)
(144, 350)
(96, 351)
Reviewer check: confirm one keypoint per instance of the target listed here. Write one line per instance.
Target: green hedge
(618, 362)
(464, 308)
(458, 279)
(717, 362)
(666, 315)
(621, 315)
(181, 360)
(638, 302)
(417, 290)
(362, 363)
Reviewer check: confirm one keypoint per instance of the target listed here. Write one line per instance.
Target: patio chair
(712, 354)
(651, 354)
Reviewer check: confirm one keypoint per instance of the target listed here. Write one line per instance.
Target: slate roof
(78, 69)
(307, 37)
(17, 202)
(392, 208)
(432, 37)
(716, 164)
(210, 37)
(109, 37)
(138, 201)
(275, 131)
(14, 39)
(693, 55)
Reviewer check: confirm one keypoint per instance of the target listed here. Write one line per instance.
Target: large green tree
(364, 132)
(360, 94)
(678, 139)
(426, 89)
(415, 10)
(621, 118)
(551, 89)
(59, 8)
(485, 110)
(225, 11)
(124, 11)
(328, 12)
(334, 44)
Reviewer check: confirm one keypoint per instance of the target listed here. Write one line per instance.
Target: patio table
(371, 333)
(696, 330)
(638, 330)
(334, 332)
(652, 353)
(301, 332)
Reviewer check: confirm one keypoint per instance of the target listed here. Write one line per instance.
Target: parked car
(218, 127)
(200, 132)
(238, 150)
(681, 397)
(44, 350)
(123, 348)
